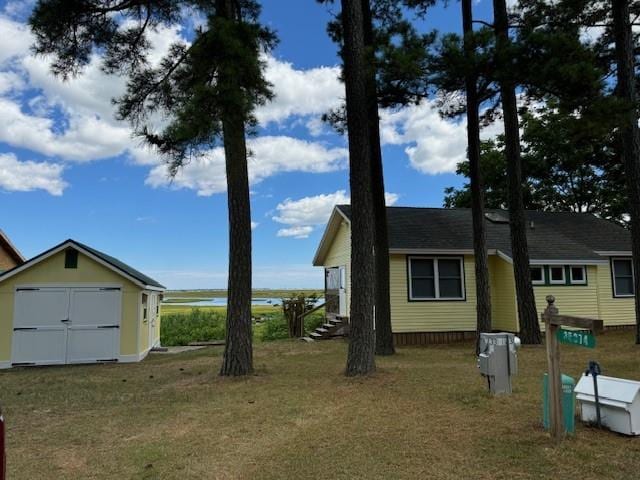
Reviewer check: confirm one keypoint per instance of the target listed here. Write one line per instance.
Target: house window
(70, 258)
(556, 275)
(332, 276)
(435, 279)
(577, 275)
(537, 275)
(622, 278)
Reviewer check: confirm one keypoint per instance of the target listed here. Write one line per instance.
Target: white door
(94, 325)
(66, 325)
(39, 326)
(153, 319)
(343, 291)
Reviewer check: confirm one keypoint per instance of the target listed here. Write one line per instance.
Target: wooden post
(553, 359)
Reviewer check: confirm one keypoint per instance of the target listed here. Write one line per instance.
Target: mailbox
(498, 360)
(619, 401)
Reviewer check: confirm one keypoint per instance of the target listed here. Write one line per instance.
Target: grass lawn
(424, 414)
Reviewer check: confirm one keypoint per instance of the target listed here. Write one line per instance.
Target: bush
(314, 321)
(274, 328)
(196, 326)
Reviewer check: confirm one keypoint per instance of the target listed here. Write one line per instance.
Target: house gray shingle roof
(554, 236)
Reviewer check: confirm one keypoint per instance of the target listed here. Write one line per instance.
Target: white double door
(58, 325)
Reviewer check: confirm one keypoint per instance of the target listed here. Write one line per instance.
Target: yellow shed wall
(52, 271)
(430, 316)
(339, 254)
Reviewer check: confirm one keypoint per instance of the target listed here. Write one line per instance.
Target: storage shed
(74, 304)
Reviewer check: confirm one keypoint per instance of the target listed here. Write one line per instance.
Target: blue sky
(69, 170)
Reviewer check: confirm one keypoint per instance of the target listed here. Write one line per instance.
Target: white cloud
(433, 144)
(304, 214)
(254, 225)
(295, 232)
(300, 92)
(18, 176)
(270, 155)
(16, 39)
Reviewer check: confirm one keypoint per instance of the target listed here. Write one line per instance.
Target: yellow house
(10, 257)
(584, 261)
(74, 304)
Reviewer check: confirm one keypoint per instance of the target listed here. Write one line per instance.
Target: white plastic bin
(619, 403)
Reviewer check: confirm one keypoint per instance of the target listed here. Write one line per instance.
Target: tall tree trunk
(629, 133)
(529, 325)
(238, 352)
(384, 334)
(361, 356)
(483, 293)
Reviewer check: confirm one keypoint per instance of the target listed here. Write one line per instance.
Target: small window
(556, 274)
(436, 279)
(578, 275)
(145, 302)
(537, 275)
(71, 258)
(622, 278)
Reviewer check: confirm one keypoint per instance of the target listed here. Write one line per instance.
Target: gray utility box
(619, 403)
(498, 360)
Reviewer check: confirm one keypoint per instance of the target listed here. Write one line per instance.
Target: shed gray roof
(552, 236)
(114, 262)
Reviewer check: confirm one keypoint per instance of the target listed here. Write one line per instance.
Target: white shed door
(66, 325)
(94, 325)
(39, 329)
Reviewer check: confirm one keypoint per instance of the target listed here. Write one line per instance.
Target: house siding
(90, 272)
(339, 254)
(7, 262)
(613, 311)
(503, 295)
(430, 316)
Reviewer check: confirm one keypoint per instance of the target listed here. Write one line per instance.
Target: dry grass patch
(425, 414)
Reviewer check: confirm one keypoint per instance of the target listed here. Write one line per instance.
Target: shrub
(274, 328)
(314, 321)
(196, 326)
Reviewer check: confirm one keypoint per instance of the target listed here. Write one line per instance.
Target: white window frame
(564, 275)
(613, 277)
(436, 279)
(544, 275)
(584, 275)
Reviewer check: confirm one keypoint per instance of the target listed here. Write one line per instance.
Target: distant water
(222, 302)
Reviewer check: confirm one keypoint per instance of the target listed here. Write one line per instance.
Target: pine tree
(628, 129)
(527, 312)
(208, 90)
(483, 293)
(361, 355)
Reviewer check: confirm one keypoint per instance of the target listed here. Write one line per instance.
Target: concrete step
(315, 335)
(321, 330)
(329, 325)
(307, 339)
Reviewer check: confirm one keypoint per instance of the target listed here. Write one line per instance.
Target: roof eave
(327, 236)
